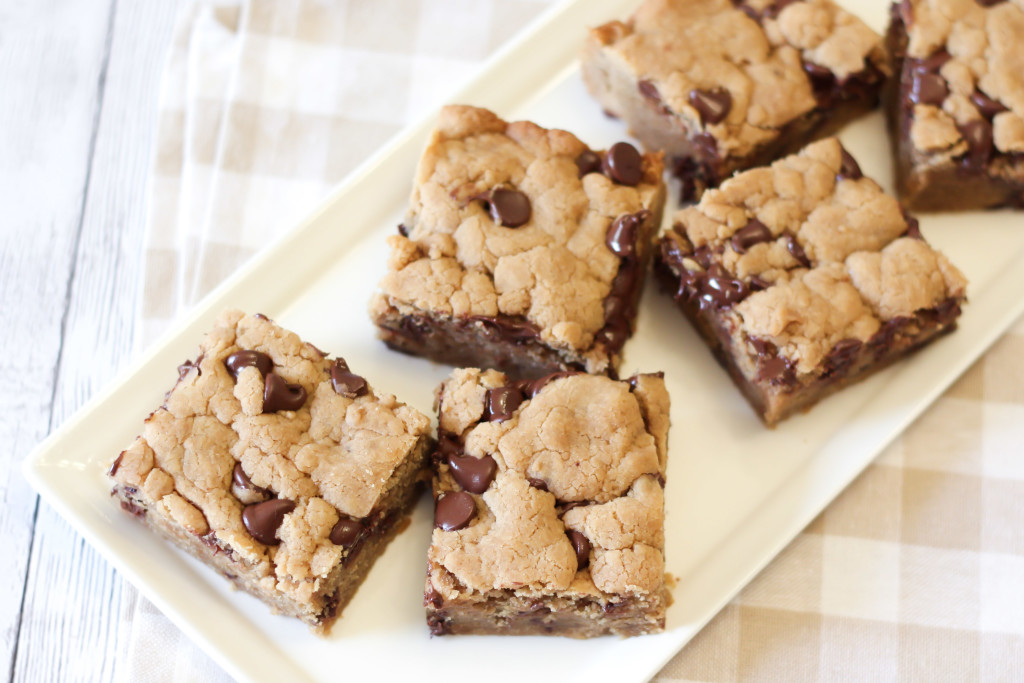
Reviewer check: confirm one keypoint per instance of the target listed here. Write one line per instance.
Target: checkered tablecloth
(915, 573)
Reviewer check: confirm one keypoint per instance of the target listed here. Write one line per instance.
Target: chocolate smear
(501, 403)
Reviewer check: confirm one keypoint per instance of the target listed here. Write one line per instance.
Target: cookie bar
(549, 506)
(279, 468)
(804, 277)
(956, 112)
(523, 249)
(722, 85)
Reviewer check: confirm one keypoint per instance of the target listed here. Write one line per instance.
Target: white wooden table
(77, 121)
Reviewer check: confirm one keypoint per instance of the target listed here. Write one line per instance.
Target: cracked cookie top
(808, 254)
(741, 71)
(964, 76)
(263, 445)
(513, 220)
(566, 488)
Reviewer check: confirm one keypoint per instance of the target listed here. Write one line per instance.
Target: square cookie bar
(956, 111)
(523, 250)
(804, 277)
(722, 85)
(279, 468)
(549, 511)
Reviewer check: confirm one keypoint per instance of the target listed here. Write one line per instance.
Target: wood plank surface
(52, 60)
(76, 609)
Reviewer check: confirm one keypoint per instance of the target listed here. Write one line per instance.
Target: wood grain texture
(52, 56)
(76, 608)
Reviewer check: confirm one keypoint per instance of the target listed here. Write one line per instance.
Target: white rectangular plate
(737, 493)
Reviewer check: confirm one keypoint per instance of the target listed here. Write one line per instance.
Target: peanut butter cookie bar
(722, 85)
(523, 249)
(804, 277)
(279, 468)
(956, 112)
(549, 506)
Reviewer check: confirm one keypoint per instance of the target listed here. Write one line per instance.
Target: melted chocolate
(511, 329)
(581, 545)
(247, 358)
(849, 169)
(501, 403)
(842, 357)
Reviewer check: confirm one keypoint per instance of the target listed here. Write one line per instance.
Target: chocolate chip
(240, 479)
(759, 285)
(775, 368)
(115, 465)
(588, 162)
(978, 134)
(930, 64)
(928, 88)
(246, 358)
(280, 395)
(403, 230)
(719, 289)
(501, 403)
(538, 483)
(712, 105)
(581, 545)
(989, 3)
(509, 208)
(621, 236)
(754, 232)
(432, 597)
(702, 255)
(345, 382)
(913, 228)
(473, 474)
(649, 90)
(797, 251)
(347, 532)
(454, 511)
(986, 105)
(623, 164)
(821, 77)
(188, 365)
(849, 169)
(263, 519)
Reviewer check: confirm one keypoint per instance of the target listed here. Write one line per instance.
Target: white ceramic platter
(736, 495)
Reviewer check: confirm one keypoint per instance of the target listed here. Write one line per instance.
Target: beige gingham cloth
(915, 573)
